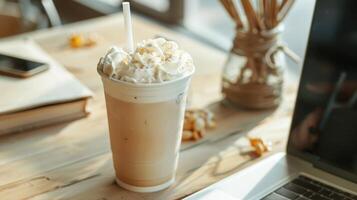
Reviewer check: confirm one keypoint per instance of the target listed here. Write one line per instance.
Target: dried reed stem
(274, 12)
(283, 3)
(233, 12)
(268, 15)
(251, 15)
(260, 14)
(284, 10)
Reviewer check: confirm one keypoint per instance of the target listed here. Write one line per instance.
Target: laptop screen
(324, 125)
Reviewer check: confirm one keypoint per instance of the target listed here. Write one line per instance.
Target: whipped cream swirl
(153, 61)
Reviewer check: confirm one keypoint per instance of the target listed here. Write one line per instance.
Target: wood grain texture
(73, 160)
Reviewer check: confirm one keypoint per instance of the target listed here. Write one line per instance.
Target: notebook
(47, 98)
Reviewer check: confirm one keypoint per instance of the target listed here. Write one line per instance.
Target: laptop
(321, 158)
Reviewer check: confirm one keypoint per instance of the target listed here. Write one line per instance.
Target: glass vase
(253, 73)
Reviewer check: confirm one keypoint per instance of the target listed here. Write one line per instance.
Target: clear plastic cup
(145, 125)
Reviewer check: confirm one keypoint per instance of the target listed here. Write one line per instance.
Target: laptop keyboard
(304, 188)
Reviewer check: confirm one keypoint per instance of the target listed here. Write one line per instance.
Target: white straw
(128, 27)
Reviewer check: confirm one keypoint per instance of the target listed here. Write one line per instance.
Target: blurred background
(205, 20)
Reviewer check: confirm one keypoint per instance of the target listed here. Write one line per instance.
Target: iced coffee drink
(145, 94)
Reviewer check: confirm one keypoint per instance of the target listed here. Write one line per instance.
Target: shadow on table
(202, 160)
(230, 121)
(27, 141)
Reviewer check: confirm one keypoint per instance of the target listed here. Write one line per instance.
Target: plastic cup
(145, 125)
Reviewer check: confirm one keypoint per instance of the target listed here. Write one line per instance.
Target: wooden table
(73, 160)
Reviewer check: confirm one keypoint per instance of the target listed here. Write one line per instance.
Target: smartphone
(20, 67)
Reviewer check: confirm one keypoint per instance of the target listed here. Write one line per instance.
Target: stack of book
(47, 98)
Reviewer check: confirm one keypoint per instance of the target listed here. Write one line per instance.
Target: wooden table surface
(73, 160)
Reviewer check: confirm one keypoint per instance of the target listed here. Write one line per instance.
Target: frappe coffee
(145, 94)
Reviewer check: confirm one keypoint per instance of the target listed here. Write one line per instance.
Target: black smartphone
(20, 67)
